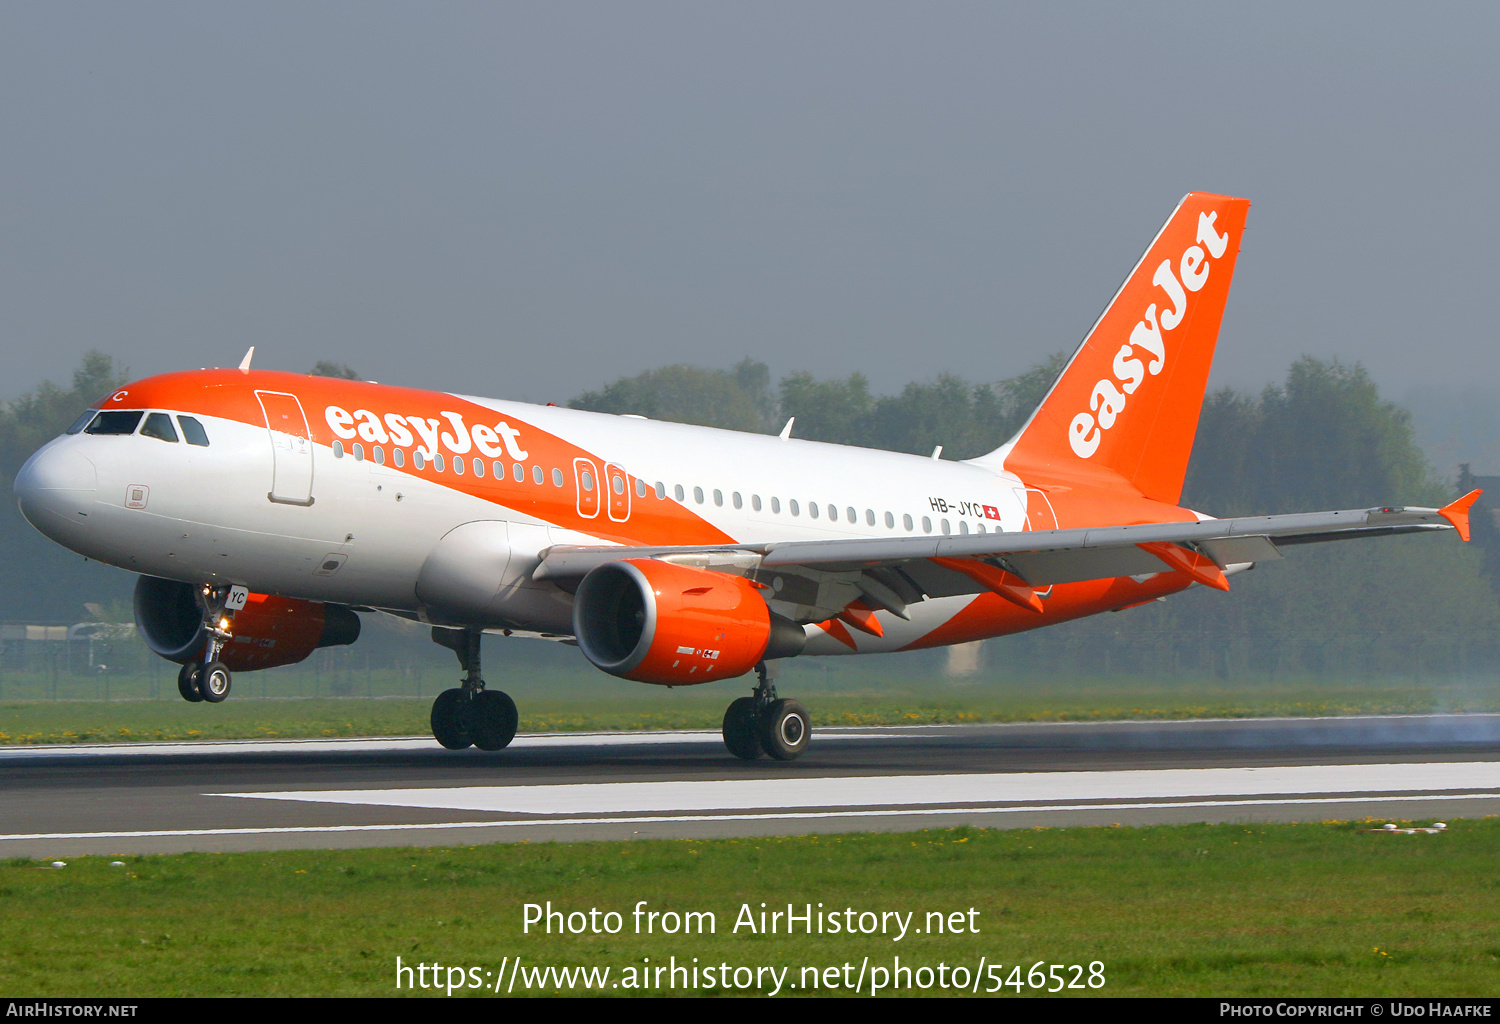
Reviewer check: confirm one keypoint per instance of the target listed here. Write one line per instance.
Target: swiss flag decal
(991, 512)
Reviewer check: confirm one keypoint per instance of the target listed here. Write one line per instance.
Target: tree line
(1321, 438)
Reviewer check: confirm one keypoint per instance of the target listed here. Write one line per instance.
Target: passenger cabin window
(536, 475)
(890, 522)
(378, 453)
(338, 451)
(755, 502)
(738, 501)
(478, 465)
(792, 505)
(906, 521)
(640, 487)
(870, 516)
(114, 423)
(458, 464)
(679, 492)
(437, 463)
(775, 504)
(557, 478)
(698, 495)
(398, 457)
(82, 421)
(159, 426)
(519, 472)
(359, 452)
(418, 460)
(812, 509)
(661, 490)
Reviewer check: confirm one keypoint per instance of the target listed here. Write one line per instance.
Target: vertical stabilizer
(1126, 408)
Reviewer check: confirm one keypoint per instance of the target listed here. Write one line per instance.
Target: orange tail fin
(1124, 412)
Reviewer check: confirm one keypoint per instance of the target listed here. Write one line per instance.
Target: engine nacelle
(656, 622)
(267, 632)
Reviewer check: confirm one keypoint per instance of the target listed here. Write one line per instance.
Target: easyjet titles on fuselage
(398, 430)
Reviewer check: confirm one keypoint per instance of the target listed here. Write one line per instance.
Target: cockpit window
(114, 423)
(159, 426)
(82, 421)
(193, 432)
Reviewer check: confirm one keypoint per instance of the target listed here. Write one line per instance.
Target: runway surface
(171, 797)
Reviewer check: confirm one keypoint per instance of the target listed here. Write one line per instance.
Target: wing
(820, 578)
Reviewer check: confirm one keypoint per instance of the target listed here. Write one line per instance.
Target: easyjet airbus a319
(264, 511)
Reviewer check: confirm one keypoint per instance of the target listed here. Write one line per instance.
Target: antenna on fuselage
(245, 363)
(786, 431)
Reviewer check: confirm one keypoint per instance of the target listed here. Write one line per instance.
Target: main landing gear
(764, 722)
(209, 680)
(470, 715)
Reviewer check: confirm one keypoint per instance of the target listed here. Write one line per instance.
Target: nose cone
(55, 490)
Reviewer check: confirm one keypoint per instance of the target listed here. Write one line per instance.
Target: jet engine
(656, 622)
(267, 632)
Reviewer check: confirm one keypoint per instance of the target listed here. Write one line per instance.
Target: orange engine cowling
(656, 622)
(269, 631)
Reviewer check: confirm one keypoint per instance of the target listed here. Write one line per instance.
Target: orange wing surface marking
(835, 629)
(997, 580)
(1457, 513)
(859, 615)
(1189, 563)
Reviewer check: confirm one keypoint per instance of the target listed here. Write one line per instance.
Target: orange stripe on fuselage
(230, 394)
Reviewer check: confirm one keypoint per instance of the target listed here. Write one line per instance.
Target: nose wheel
(470, 715)
(209, 680)
(187, 682)
(766, 723)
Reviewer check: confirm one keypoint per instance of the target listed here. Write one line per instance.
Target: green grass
(544, 710)
(1204, 910)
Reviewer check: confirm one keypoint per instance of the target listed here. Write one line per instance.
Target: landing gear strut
(210, 680)
(470, 715)
(764, 722)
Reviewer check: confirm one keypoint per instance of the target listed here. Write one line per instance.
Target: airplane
(265, 511)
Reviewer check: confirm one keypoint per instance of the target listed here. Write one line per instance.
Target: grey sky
(530, 200)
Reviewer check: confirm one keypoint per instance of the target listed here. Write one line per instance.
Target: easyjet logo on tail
(1110, 395)
(454, 435)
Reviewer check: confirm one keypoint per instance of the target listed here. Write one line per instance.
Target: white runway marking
(781, 816)
(918, 790)
(402, 744)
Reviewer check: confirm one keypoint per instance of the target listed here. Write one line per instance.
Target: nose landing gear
(470, 715)
(764, 722)
(210, 680)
